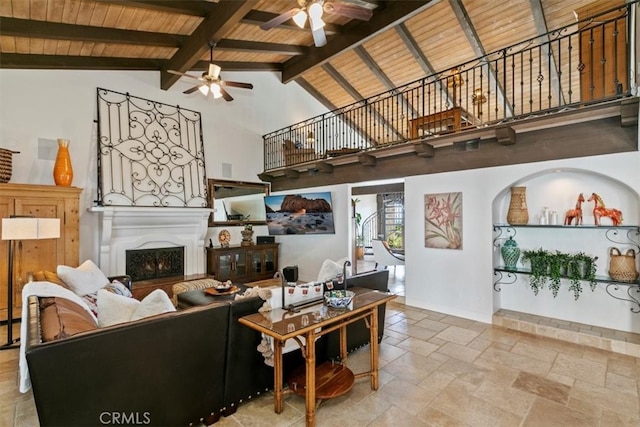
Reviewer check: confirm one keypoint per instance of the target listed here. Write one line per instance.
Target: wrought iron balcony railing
(583, 63)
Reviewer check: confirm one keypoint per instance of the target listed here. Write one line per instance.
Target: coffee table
(311, 323)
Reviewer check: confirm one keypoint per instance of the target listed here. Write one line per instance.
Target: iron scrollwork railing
(582, 63)
(149, 153)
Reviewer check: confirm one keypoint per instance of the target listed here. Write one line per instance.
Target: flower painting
(443, 220)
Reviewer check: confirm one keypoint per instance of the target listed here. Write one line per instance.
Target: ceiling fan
(211, 81)
(314, 9)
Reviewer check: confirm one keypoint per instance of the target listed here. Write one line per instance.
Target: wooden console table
(311, 323)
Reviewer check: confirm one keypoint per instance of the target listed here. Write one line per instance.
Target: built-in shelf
(624, 234)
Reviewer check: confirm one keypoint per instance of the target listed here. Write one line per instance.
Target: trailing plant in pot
(557, 270)
(539, 260)
(581, 267)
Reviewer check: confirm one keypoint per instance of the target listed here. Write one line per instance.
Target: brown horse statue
(599, 210)
(575, 213)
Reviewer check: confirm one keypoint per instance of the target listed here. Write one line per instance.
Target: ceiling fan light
(215, 90)
(204, 89)
(300, 18)
(315, 11)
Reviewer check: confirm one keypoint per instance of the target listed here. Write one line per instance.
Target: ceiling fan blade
(319, 37)
(349, 10)
(225, 94)
(193, 89)
(237, 84)
(178, 73)
(280, 19)
(214, 71)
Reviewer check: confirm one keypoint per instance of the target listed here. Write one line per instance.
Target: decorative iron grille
(145, 264)
(149, 153)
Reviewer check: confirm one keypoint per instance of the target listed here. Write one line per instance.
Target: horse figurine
(599, 210)
(575, 213)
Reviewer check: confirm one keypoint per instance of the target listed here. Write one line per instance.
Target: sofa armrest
(166, 370)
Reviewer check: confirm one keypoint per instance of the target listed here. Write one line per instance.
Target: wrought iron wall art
(149, 153)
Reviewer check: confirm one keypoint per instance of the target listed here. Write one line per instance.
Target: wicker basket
(6, 164)
(623, 267)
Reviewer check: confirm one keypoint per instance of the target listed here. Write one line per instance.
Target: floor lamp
(16, 228)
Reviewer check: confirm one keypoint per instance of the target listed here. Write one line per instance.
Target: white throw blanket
(40, 289)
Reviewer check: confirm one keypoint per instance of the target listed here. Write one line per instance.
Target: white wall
(460, 282)
(62, 104)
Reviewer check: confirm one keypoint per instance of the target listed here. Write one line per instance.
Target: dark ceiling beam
(258, 17)
(86, 33)
(541, 28)
(239, 66)
(51, 62)
(417, 52)
(380, 75)
(249, 46)
(222, 18)
(393, 13)
(191, 7)
(358, 97)
(470, 32)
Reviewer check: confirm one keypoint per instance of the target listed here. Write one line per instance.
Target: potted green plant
(587, 268)
(539, 261)
(557, 270)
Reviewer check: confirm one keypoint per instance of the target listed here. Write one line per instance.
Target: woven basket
(623, 267)
(6, 165)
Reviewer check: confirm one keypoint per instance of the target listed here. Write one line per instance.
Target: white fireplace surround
(125, 228)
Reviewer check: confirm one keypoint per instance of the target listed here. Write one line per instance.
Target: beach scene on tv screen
(308, 213)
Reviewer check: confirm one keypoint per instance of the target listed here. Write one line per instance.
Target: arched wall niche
(558, 190)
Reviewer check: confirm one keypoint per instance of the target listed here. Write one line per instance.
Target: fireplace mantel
(123, 228)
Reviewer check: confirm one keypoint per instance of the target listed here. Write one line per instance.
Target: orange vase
(62, 170)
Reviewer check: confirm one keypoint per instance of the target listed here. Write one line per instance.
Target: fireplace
(146, 264)
(123, 229)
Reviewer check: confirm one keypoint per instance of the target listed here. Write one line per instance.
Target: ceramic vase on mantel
(510, 254)
(518, 213)
(247, 237)
(62, 170)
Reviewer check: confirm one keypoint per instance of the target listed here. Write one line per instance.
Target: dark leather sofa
(172, 369)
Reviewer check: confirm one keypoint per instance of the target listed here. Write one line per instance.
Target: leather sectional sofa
(180, 368)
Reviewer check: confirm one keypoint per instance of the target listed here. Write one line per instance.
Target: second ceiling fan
(211, 81)
(314, 10)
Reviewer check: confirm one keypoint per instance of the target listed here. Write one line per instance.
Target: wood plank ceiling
(404, 40)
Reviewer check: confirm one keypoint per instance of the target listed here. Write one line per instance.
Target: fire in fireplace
(146, 264)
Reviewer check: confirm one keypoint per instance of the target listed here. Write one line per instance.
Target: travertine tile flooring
(439, 370)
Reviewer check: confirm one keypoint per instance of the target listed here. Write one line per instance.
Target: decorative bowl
(338, 298)
(223, 287)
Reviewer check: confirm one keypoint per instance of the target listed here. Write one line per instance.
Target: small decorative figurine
(599, 210)
(575, 213)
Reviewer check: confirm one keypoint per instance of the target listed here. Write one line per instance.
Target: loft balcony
(552, 96)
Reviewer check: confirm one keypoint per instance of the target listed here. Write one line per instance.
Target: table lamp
(17, 228)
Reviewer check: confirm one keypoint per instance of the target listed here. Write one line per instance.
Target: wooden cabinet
(41, 201)
(243, 264)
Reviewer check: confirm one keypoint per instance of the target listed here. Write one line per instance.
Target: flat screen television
(307, 213)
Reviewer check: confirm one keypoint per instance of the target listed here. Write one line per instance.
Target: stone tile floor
(440, 370)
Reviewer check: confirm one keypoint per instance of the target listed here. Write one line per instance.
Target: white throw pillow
(330, 269)
(114, 309)
(85, 279)
(157, 302)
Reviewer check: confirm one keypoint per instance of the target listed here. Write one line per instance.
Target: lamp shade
(30, 228)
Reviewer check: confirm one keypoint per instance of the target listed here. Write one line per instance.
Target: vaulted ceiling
(402, 42)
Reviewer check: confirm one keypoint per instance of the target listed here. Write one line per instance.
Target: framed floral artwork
(443, 220)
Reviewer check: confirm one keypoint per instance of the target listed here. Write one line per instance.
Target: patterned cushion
(114, 287)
